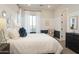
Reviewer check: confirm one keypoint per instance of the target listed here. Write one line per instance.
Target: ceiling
(38, 7)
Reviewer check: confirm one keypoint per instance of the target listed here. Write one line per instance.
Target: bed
(35, 44)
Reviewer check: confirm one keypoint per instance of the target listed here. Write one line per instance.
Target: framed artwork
(73, 22)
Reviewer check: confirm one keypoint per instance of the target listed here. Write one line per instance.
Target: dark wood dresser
(5, 48)
(72, 41)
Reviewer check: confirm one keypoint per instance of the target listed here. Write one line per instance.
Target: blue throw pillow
(22, 32)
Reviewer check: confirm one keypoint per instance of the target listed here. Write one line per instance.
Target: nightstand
(50, 32)
(4, 48)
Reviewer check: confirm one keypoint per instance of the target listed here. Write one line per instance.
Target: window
(32, 24)
(32, 21)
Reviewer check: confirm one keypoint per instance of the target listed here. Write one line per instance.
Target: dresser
(4, 48)
(72, 41)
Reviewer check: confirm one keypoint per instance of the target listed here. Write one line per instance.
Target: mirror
(74, 22)
(4, 13)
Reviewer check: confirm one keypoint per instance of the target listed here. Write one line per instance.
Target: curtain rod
(33, 10)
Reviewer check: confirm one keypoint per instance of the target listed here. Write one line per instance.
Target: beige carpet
(66, 50)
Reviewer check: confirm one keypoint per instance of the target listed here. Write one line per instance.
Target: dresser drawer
(72, 41)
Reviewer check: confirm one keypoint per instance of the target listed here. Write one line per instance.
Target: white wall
(46, 19)
(58, 18)
(72, 10)
(11, 11)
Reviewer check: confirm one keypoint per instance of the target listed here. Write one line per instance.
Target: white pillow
(13, 33)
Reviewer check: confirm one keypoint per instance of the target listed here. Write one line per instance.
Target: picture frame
(73, 22)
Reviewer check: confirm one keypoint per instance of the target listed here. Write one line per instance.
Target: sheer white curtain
(27, 21)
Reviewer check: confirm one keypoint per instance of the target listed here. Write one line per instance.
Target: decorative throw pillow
(13, 33)
(22, 32)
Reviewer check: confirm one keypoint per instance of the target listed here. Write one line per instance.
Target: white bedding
(35, 43)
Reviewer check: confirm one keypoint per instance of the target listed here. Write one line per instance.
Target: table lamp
(2, 28)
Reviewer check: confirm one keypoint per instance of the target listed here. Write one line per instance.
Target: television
(57, 34)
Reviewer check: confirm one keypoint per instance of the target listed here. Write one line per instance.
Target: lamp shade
(2, 23)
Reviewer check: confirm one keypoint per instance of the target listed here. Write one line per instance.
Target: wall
(73, 10)
(58, 12)
(11, 11)
(46, 19)
(11, 14)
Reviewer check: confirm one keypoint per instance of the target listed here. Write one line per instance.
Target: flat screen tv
(57, 34)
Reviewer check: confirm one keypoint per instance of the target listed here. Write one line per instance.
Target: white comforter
(35, 43)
